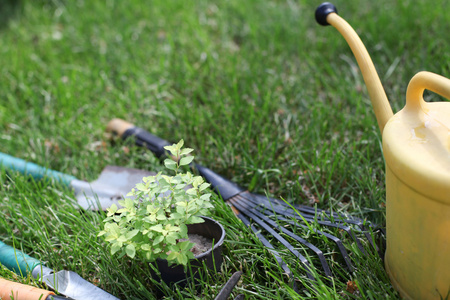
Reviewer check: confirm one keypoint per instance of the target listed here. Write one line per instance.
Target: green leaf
(198, 180)
(115, 247)
(173, 255)
(171, 239)
(111, 237)
(141, 187)
(186, 160)
(186, 151)
(129, 203)
(130, 250)
(122, 238)
(172, 149)
(112, 210)
(157, 228)
(191, 191)
(146, 247)
(205, 196)
(122, 210)
(150, 219)
(183, 230)
(195, 220)
(180, 144)
(151, 208)
(170, 164)
(148, 179)
(190, 255)
(180, 186)
(204, 186)
(185, 246)
(182, 259)
(158, 240)
(176, 216)
(132, 234)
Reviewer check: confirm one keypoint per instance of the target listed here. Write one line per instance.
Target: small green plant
(151, 224)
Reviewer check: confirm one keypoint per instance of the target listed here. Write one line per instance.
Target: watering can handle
(425, 81)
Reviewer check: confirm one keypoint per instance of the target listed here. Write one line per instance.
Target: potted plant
(163, 217)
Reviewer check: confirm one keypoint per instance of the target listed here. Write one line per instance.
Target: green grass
(262, 93)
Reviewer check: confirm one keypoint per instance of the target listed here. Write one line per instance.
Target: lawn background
(265, 96)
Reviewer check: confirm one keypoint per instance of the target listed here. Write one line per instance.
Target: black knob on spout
(323, 11)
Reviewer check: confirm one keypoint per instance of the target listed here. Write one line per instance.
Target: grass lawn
(265, 96)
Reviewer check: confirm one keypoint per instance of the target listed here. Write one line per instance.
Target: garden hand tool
(10, 290)
(416, 148)
(260, 209)
(67, 283)
(111, 186)
(225, 292)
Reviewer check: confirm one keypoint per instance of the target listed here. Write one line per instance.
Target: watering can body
(416, 147)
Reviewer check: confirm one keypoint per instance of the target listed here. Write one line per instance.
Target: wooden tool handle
(118, 126)
(17, 291)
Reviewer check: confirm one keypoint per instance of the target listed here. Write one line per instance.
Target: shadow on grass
(8, 10)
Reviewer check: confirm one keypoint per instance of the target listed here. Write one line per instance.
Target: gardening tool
(225, 292)
(260, 208)
(112, 185)
(10, 290)
(416, 147)
(67, 283)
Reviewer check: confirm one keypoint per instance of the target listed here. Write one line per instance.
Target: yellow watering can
(416, 147)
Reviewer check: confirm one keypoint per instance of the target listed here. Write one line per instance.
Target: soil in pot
(202, 243)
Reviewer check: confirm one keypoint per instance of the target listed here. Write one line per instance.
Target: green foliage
(152, 222)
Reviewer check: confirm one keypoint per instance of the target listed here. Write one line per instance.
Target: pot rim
(216, 245)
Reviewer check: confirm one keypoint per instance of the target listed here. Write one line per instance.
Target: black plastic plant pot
(211, 258)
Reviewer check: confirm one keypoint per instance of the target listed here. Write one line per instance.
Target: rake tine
(331, 216)
(272, 223)
(341, 226)
(284, 210)
(336, 240)
(269, 229)
(336, 217)
(268, 245)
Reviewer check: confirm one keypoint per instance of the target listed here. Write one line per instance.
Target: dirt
(202, 244)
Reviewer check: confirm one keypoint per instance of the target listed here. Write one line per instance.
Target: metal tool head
(113, 184)
(71, 284)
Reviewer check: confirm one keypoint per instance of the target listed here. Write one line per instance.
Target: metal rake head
(274, 216)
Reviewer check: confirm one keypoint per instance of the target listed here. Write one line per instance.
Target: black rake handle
(224, 187)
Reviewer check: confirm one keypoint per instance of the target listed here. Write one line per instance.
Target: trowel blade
(113, 184)
(72, 285)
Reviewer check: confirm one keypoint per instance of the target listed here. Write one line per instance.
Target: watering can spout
(326, 14)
